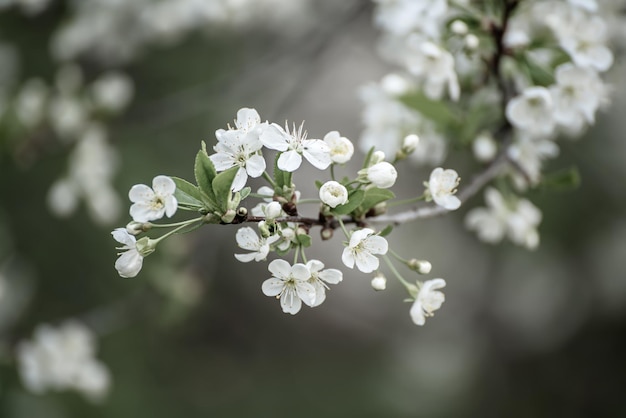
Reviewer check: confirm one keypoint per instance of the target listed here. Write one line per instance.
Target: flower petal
(306, 292)
(290, 302)
(317, 152)
(272, 287)
(246, 258)
(144, 212)
(280, 269)
(289, 161)
(332, 276)
(122, 236)
(366, 262)
(376, 245)
(274, 137)
(255, 166)
(239, 182)
(163, 185)
(300, 272)
(129, 263)
(247, 239)
(140, 193)
(348, 257)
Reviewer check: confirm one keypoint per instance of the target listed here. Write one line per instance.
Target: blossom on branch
(151, 204)
(427, 300)
(290, 284)
(361, 249)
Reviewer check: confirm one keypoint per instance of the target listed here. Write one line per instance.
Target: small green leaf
(279, 176)
(318, 184)
(567, 179)
(205, 173)
(222, 184)
(434, 110)
(386, 231)
(186, 193)
(375, 196)
(368, 158)
(354, 201)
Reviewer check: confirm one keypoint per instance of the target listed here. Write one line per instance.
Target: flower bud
(471, 41)
(377, 157)
(136, 228)
(382, 175)
(420, 266)
(327, 233)
(242, 212)
(410, 143)
(273, 210)
(484, 147)
(229, 216)
(459, 27)
(333, 194)
(379, 282)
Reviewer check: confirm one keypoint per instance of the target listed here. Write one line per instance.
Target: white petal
(332, 276)
(366, 262)
(289, 161)
(143, 212)
(239, 182)
(417, 313)
(274, 137)
(122, 236)
(376, 245)
(247, 239)
(129, 264)
(315, 265)
(222, 161)
(272, 287)
(360, 235)
(171, 204)
(246, 258)
(347, 257)
(306, 292)
(255, 166)
(280, 268)
(140, 193)
(300, 272)
(290, 301)
(163, 185)
(317, 152)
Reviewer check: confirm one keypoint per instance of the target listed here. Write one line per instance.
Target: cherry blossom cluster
(345, 204)
(525, 73)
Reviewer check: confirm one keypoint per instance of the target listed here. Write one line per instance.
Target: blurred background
(521, 334)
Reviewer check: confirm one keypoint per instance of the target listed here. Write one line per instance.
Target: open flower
(427, 301)
(130, 260)
(532, 112)
(341, 149)
(290, 284)
(293, 145)
(333, 194)
(361, 249)
(235, 148)
(320, 277)
(249, 240)
(442, 187)
(151, 204)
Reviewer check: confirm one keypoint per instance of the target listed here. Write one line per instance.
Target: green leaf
(279, 176)
(187, 194)
(567, 179)
(205, 173)
(386, 231)
(539, 75)
(354, 201)
(304, 240)
(375, 196)
(434, 110)
(368, 157)
(222, 184)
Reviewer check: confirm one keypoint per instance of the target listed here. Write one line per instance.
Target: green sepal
(205, 173)
(221, 185)
(304, 240)
(318, 184)
(245, 192)
(375, 196)
(187, 194)
(355, 198)
(386, 231)
(567, 179)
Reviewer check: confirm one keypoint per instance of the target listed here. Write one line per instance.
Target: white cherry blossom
(427, 301)
(379, 282)
(434, 66)
(151, 204)
(341, 148)
(293, 145)
(235, 148)
(361, 249)
(63, 358)
(290, 284)
(320, 278)
(442, 187)
(130, 261)
(333, 194)
(532, 112)
(249, 240)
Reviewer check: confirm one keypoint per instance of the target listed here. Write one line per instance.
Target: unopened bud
(242, 212)
(377, 157)
(379, 282)
(327, 233)
(228, 216)
(459, 27)
(420, 266)
(136, 228)
(410, 143)
(471, 41)
(273, 210)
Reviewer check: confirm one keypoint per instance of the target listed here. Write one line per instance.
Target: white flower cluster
(63, 358)
(222, 183)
